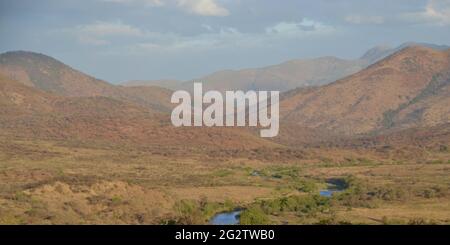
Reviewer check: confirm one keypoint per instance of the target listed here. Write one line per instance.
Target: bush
(420, 221)
(433, 192)
(302, 205)
(361, 194)
(254, 216)
(390, 193)
(188, 212)
(306, 186)
(197, 212)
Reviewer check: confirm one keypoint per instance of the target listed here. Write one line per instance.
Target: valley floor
(43, 182)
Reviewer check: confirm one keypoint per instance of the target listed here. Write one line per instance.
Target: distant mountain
(410, 88)
(169, 84)
(50, 75)
(380, 52)
(288, 75)
(297, 73)
(283, 77)
(377, 53)
(41, 98)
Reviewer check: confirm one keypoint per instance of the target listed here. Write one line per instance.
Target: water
(327, 193)
(334, 185)
(228, 218)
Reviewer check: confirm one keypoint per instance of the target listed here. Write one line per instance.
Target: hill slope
(50, 75)
(28, 113)
(288, 75)
(409, 88)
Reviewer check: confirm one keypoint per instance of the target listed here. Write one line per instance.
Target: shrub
(197, 212)
(420, 221)
(306, 186)
(188, 212)
(302, 205)
(254, 216)
(433, 192)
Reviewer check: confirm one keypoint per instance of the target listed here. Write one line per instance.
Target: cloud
(168, 42)
(232, 37)
(144, 2)
(207, 27)
(92, 41)
(196, 7)
(123, 35)
(364, 19)
(298, 29)
(116, 28)
(99, 32)
(203, 7)
(435, 13)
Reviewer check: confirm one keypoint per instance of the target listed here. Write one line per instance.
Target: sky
(121, 40)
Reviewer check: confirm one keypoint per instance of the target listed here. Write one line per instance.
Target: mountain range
(403, 90)
(287, 75)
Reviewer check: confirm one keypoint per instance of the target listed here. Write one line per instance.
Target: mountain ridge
(407, 89)
(360, 103)
(287, 75)
(51, 75)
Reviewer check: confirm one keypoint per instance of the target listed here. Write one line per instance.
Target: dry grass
(44, 182)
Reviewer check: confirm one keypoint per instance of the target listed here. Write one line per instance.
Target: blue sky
(119, 40)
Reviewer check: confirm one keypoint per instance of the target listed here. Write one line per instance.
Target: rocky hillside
(50, 75)
(407, 89)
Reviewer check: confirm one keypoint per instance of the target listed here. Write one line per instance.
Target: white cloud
(172, 42)
(436, 12)
(299, 29)
(118, 33)
(103, 29)
(203, 7)
(231, 37)
(364, 19)
(99, 32)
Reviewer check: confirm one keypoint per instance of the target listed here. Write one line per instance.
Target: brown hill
(16, 99)
(429, 137)
(408, 88)
(28, 113)
(287, 75)
(50, 75)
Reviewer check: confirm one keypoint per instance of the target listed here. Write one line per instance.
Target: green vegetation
(51, 183)
(359, 193)
(305, 185)
(254, 216)
(197, 212)
(302, 206)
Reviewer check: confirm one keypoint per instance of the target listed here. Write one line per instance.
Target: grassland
(47, 182)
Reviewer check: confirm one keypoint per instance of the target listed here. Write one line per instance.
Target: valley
(78, 150)
(46, 182)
